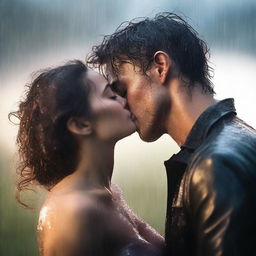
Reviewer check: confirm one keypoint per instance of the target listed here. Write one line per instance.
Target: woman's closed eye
(113, 97)
(108, 93)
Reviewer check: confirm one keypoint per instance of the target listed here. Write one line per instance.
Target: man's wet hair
(137, 41)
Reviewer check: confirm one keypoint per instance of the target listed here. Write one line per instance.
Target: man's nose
(123, 101)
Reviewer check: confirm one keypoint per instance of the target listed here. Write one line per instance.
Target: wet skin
(77, 223)
(147, 99)
(84, 214)
(110, 117)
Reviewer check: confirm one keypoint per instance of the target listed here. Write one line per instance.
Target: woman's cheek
(111, 122)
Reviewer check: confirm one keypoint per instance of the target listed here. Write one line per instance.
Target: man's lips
(132, 116)
(134, 119)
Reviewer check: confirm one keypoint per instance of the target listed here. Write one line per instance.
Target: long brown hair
(47, 150)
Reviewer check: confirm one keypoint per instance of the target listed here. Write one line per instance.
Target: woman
(70, 121)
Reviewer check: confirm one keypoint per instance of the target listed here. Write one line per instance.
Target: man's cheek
(134, 97)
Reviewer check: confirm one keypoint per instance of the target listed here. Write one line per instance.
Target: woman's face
(111, 120)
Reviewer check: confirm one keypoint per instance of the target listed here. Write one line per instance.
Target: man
(161, 67)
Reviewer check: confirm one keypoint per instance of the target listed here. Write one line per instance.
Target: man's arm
(214, 198)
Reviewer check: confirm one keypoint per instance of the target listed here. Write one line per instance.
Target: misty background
(35, 34)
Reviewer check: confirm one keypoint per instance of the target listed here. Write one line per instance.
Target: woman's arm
(143, 228)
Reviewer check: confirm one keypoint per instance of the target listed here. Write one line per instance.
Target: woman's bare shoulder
(62, 207)
(69, 217)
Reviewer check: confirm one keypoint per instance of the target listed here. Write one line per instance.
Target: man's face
(147, 100)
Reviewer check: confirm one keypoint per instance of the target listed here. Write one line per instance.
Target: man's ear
(161, 66)
(79, 126)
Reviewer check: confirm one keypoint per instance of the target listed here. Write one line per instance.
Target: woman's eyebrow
(107, 86)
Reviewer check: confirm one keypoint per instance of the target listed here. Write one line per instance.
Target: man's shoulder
(226, 162)
(234, 134)
(216, 180)
(234, 143)
(211, 166)
(223, 163)
(219, 194)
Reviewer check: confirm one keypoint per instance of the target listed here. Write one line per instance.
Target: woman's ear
(79, 126)
(161, 66)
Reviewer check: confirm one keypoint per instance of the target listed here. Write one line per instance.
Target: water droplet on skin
(43, 221)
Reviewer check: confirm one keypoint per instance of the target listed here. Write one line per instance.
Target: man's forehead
(110, 74)
(111, 78)
(123, 69)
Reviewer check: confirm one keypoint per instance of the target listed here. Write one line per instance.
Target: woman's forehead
(97, 79)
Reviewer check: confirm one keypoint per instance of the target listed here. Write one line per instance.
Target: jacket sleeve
(215, 201)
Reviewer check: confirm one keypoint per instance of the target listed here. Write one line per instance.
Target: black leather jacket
(211, 208)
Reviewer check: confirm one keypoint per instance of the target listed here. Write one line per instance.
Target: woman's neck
(94, 169)
(95, 166)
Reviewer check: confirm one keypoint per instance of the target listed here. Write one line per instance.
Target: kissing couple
(154, 78)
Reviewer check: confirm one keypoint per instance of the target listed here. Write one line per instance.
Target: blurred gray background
(39, 33)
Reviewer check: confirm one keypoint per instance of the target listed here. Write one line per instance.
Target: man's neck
(186, 107)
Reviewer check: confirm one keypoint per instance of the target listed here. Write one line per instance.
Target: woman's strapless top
(139, 248)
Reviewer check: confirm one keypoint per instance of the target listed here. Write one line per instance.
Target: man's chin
(147, 137)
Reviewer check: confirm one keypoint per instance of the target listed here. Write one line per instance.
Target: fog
(35, 34)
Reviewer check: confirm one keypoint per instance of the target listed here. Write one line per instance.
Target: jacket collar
(206, 120)
(202, 127)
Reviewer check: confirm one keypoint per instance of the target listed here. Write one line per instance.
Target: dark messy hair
(47, 150)
(138, 40)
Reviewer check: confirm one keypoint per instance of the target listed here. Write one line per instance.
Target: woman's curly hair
(47, 150)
